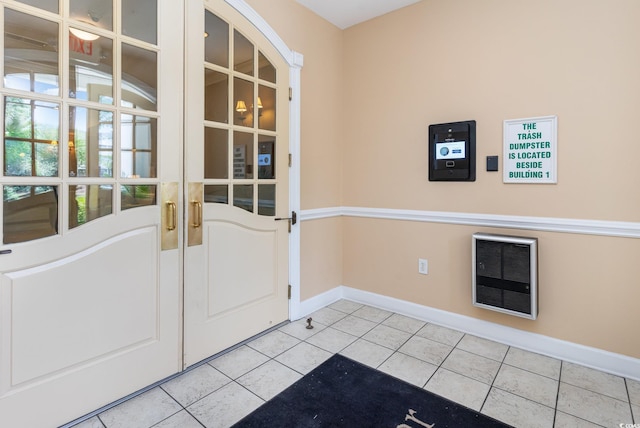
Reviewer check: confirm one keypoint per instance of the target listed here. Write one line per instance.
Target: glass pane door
(79, 138)
(236, 260)
(89, 293)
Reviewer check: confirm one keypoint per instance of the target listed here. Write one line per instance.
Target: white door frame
(295, 61)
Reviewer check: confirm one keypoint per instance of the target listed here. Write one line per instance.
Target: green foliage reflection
(31, 138)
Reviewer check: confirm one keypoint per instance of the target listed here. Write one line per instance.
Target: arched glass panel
(216, 96)
(266, 70)
(243, 102)
(242, 54)
(95, 13)
(216, 153)
(242, 155)
(240, 92)
(31, 135)
(139, 77)
(91, 69)
(108, 150)
(138, 146)
(267, 117)
(90, 142)
(216, 43)
(88, 203)
(38, 204)
(31, 53)
(139, 20)
(138, 196)
(48, 5)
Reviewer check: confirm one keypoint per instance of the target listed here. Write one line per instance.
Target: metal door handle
(169, 216)
(172, 215)
(292, 220)
(197, 217)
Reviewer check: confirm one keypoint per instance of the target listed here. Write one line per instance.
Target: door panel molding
(256, 244)
(108, 313)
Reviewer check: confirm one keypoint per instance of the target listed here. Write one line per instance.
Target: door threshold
(232, 348)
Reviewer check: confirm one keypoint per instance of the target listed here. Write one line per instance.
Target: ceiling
(345, 13)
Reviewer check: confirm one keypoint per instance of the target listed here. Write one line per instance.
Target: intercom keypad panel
(452, 151)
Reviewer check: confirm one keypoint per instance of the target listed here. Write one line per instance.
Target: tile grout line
(554, 408)
(444, 359)
(555, 416)
(100, 420)
(555, 413)
(493, 381)
(394, 351)
(626, 387)
(439, 366)
(173, 414)
(231, 380)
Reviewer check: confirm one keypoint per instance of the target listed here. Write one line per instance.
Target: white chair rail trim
(547, 224)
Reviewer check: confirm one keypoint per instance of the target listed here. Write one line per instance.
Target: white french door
(237, 181)
(90, 297)
(145, 183)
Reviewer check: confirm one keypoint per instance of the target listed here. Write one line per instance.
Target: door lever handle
(292, 220)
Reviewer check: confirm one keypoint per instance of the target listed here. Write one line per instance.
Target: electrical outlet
(423, 266)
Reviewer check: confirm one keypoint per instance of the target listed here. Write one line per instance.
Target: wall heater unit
(505, 274)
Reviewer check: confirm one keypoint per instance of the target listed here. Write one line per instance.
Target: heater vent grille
(505, 274)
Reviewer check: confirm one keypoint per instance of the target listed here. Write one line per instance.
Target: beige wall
(322, 122)
(493, 60)
(369, 94)
(321, 258)
(578, 300)
(321, 99)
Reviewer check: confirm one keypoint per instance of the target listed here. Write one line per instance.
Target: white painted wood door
(90, 297)
(237, 112)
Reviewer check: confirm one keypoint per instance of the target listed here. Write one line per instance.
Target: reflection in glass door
(111, 148)
(249, 151)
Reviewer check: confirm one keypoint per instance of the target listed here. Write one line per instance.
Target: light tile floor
(515, 386)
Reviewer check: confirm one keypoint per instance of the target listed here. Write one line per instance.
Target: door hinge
(289, 292)
(290, 160)
(290, 94)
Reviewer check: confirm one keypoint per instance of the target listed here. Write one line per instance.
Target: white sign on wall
(530, 150)
(239, 162)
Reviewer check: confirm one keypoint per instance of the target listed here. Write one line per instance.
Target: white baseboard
(317, 302)
(617, 364)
